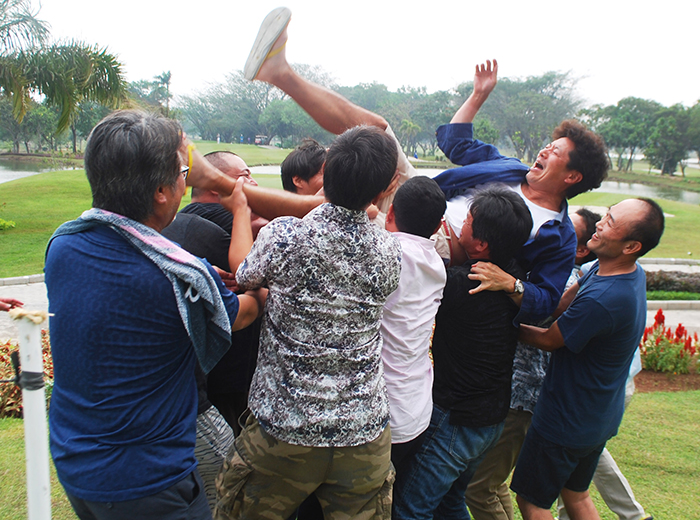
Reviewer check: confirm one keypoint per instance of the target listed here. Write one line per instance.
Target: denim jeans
(438, 475)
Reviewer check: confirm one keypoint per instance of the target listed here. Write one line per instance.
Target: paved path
(686, 312)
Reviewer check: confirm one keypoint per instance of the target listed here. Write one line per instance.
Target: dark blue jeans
(439, 473)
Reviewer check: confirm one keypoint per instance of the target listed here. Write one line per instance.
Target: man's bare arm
(544, 339)
(485, 80)
(566, 300)
(266, 202)
(250, 307)
(241, 232)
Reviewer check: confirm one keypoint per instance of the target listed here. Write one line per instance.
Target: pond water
(11, 169)
(642, 190)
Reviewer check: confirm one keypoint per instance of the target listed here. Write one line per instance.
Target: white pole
(34, 404)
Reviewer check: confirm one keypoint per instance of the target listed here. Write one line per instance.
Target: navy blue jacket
(549, 257)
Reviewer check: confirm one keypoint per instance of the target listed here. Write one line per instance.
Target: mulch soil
(648, 381)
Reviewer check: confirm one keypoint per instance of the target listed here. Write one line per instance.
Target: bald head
(230, 165)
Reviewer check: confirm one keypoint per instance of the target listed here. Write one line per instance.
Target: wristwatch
(519, 287)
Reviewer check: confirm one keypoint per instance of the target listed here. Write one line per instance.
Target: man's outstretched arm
(544, 339)
(266, 202)
(485, 79)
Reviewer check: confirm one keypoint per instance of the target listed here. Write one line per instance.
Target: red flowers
(665, 350)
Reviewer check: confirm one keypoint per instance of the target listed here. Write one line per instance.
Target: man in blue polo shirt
(132, 315)
(593, 342)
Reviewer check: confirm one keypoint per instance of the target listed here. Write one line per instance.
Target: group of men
(319, 359)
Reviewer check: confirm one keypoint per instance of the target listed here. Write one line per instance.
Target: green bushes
(673, 281)
(6, 224)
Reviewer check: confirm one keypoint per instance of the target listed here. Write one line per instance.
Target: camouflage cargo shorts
(263, 477)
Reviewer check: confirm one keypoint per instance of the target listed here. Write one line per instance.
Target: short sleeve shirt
(582, 397)
(319, 379)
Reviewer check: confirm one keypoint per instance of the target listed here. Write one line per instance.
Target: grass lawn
(13, 477)
(40, 203)
(253, 155)
(657, 448)
(658, 451)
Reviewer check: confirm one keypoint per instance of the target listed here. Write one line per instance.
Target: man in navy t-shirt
(582, 399)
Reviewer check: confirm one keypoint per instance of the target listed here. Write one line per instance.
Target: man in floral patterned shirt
(319, 410)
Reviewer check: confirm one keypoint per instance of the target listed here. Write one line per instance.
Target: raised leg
(329, 109)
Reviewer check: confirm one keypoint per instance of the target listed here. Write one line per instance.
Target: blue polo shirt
(124, 403)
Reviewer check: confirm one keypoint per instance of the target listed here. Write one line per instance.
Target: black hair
(419, 206)
(360, 164)
(590, 219)
(648, 230)
(500, 218)
(589, 156)
(304, 162)
(128, 156)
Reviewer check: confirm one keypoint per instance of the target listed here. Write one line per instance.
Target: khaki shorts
(263, 477)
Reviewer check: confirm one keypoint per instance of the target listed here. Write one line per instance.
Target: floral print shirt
(319, 379)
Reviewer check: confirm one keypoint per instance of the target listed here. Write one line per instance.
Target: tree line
(54, 93)
(665, 135)
(520, 115)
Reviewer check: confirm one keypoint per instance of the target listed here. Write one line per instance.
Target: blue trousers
(437, 477)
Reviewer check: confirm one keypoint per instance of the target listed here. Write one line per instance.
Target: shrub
(6, 224)
(11, 394)
(665, 350)
(673, 281)
(672, 295)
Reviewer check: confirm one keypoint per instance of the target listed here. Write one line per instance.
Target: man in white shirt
(409, 314)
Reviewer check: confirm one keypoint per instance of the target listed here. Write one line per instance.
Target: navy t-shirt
(124, 403)
(582, 398)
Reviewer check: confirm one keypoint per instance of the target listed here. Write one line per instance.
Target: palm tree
(19, 27)
(65, 74)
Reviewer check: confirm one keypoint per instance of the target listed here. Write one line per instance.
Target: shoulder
(96, 237)
(419, 257)
(281, 227)
(191, 223)
(458, 278)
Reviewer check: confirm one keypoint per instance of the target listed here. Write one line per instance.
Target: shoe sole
(271, 28)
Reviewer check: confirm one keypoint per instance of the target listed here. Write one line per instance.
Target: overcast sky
(617, 48)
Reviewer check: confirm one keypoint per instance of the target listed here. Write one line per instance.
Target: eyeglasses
(185, 171)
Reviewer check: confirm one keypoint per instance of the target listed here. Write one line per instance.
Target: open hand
(486, 77)
(492, 278)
